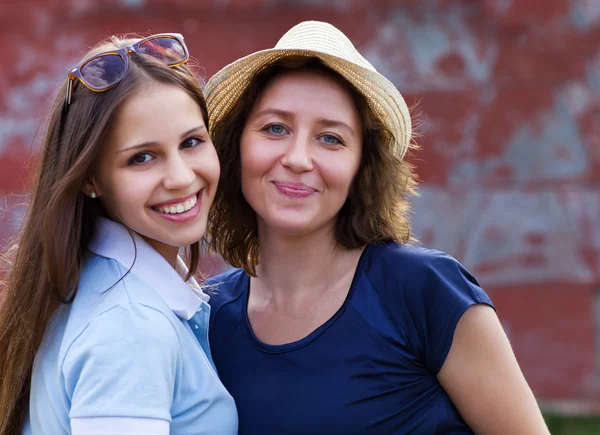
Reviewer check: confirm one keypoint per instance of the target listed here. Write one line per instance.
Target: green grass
(569, 425)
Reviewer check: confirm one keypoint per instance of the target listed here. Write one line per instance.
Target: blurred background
(507, 95)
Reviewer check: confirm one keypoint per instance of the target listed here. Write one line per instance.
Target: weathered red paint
(507, 98)
(552, 336)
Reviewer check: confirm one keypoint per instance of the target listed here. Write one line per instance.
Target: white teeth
(179, 208)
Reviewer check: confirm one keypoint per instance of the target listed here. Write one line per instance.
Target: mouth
(177, 206)
(294, 190)
(180, 209)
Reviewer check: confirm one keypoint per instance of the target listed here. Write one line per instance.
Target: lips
(179, 205)
(190, 208)
(294, 190)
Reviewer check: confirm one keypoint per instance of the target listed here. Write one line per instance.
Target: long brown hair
(377, 208)
(43, 265)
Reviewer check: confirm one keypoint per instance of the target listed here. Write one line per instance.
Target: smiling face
(158, 172)
(300, 150)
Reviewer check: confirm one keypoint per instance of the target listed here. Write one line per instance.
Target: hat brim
(227, 86)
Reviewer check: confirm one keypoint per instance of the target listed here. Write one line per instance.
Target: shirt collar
(113, 240)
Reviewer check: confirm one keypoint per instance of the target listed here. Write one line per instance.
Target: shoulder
(226, 301)
(128, 352)
(106, 277)
(112, 302)
(424, 293)
(225, 287)
(125, 334)
(128, 324)
(400, 259)
(413, 268)
(420, 280)
(105, 283)
(99, 274)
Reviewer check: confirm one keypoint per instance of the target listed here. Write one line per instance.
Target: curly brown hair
(377, 208)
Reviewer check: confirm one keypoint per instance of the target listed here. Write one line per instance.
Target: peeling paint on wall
(509, 100)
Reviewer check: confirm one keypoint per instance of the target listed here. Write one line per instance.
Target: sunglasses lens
(167, 50)
(103, 71)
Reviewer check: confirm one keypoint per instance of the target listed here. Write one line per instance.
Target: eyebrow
(289, 115)
(332, 123)
(272, 111)
(149, 144)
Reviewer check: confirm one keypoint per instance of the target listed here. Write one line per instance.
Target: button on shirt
(130, 355)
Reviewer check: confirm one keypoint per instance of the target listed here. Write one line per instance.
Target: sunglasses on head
(104, 71)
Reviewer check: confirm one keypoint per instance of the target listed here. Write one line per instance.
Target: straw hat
(334, 49)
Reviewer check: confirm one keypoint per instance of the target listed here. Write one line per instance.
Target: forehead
(308, 87)
(157, 112)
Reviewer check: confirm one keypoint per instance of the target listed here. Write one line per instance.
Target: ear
(89, 188)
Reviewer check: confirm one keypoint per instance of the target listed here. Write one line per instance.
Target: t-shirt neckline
(294, 345)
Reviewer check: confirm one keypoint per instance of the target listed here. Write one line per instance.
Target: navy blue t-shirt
(370, 369)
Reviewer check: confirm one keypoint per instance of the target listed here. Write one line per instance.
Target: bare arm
(482, 377)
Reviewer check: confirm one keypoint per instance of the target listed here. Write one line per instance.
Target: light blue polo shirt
(130, 354)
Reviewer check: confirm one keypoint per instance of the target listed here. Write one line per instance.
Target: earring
(93, 194)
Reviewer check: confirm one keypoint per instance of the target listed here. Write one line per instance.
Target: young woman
(334, 323)
(99, 331)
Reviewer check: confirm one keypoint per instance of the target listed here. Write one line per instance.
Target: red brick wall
(508, 96)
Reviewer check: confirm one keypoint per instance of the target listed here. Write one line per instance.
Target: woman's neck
(298, 266)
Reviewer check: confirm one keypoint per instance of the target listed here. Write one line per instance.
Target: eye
(331, 139)
(140, 159)
(275, 129)
(191, 142)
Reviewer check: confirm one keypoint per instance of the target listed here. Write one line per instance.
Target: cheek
(126, 192)
(209, 168)
(246, 177)
(339, 175)
(130, 194)
(253, 163)
(252, 171)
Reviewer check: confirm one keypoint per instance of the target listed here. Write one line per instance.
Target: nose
(178, 174)
(298, 156)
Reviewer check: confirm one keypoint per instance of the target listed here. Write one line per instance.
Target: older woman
(332, 322)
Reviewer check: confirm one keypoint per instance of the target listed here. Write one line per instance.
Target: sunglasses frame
(75, 72)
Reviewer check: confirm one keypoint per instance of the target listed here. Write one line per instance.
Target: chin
(180, 239)
(293, 222)
(296, 227)
(182, 242)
